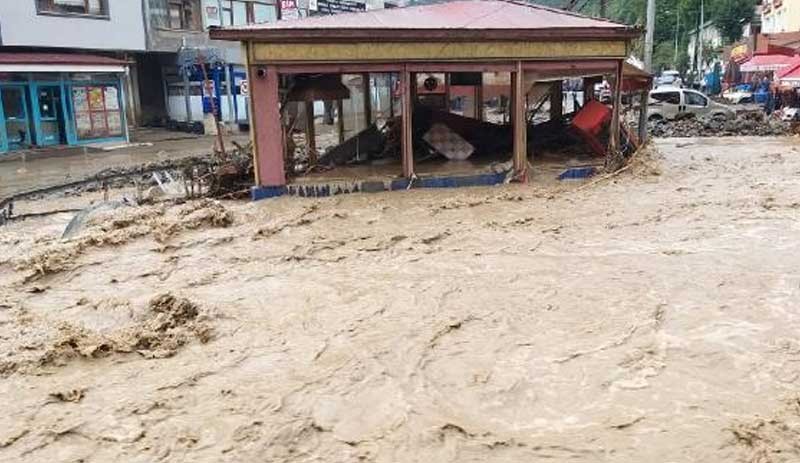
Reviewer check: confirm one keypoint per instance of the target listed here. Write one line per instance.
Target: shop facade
(60, 99)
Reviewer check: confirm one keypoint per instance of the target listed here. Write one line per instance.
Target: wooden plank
(406, 111)
(614, 141)
(520, 126)
(340, 120)
(311, 139)
(645, 98)
(556, 101)
(337, 68)
(365, 52)
(367, 99)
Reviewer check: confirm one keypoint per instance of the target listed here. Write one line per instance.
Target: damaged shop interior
(339, 128)
(468, 93)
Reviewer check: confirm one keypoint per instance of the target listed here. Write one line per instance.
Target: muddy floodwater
(650, 317)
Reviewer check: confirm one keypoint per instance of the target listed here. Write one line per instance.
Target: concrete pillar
(266, 127)
(406, 111)
(520, 125)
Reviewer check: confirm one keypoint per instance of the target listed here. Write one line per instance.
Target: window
(73, 7)
(695, 99)
(182, 15)
(97, 111)
(667, 97)
(241, 12)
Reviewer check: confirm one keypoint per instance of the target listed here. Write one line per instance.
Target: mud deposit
(652, 317)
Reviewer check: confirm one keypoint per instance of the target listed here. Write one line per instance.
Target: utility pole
(649, 34)
(677, 29)
(700, 38)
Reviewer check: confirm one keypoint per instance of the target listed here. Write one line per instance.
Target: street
(648, 316)
(21, 173)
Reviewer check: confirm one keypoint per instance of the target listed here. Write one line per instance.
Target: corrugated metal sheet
(463, 14)
(58, 58)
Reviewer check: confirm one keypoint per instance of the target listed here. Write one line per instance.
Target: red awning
(791, 71)
(767, 63)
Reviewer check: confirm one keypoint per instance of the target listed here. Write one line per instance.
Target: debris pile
(118, 226)
(166, 324)
(748, 124)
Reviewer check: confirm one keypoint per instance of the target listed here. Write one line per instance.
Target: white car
(737, 96)
(669, 79)
(672, 102)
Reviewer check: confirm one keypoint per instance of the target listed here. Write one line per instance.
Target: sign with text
(289, 9)
(339, 6)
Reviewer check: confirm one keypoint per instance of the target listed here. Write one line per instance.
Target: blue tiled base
(322, 189)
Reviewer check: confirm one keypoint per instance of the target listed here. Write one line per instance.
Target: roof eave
(311, 35)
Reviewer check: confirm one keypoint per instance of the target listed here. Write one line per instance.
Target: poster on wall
(114, 124)
(99, 127)
(79, 100)
(83, 123)
(96, 102)
(112, 98)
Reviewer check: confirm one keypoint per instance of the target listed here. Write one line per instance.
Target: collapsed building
(445, 94)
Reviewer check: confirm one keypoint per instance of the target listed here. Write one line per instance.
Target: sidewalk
(44, 168)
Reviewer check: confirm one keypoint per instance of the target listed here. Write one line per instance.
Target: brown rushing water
(646, 318)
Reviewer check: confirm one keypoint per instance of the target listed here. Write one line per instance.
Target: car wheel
(655, 118)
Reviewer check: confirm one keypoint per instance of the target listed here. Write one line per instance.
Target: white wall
(20, 25)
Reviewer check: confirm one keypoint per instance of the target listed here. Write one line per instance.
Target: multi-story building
(179, 55)
(64, 75)
(780, 16)
(78, 72)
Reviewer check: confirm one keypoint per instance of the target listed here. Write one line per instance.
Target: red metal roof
(790, 71)
(58, 58)
(469, 16)
(765, 63)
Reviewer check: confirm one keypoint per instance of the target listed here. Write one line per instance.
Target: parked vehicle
(739, 94)
(673, 102)
(669, 79)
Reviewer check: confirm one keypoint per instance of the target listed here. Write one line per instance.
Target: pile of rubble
(212, 175)
(748, 124)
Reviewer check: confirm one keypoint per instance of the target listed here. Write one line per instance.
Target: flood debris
(114, 226)
(770, 439)
(167, 324)
(747, 124)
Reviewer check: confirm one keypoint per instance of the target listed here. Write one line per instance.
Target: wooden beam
(556, 101)
(437, 51)
(645, 100)
(446, 92)
(311, 139)
(614, 140)
(340, 120)
(407, 111)
(520, 126)
(367, 99)
(479, 101)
